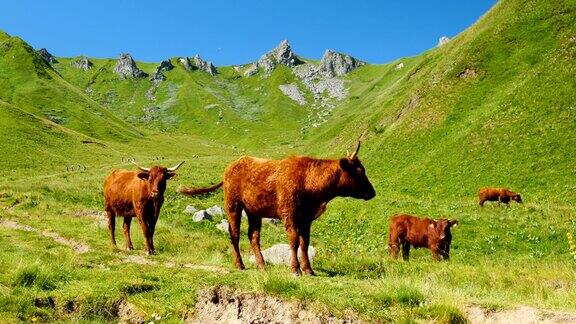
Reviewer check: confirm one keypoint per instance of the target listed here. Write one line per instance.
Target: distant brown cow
(501, 195)
(295, 190)
(407, 230)
(136, 194)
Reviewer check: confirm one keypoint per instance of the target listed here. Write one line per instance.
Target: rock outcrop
(282, 54)
(335, 64)
(443, 41)
(126, 68)
(158, 75)
(49, 58)
(251, 70)
(82, 63)
(197, 63)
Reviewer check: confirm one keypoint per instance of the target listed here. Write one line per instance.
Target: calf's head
(157, 176)
(440, 229)
(353, 180)
(517, 198)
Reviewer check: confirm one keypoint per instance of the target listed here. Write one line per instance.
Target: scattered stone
(223, 226)
(282, 54)
(186, 63)
(443, 41)
(201, 215)
(522, 314)
(126, 68)
(82, 63)
(215, 211)
(190, 209)
(251, 70)
(49, 58)
(335, 64)
(128, 313)
(468, 73)
(280, 254)
(399, 66)
(292, 91)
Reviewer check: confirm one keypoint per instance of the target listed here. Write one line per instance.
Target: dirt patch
(139, 259)
(468, 74)
(205, 267)
(522, 314)
(143, 260)
(78, 247)
(128, 313)
(225, 305)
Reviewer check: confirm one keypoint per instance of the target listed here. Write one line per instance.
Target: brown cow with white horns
(136, 194)
(295, 190)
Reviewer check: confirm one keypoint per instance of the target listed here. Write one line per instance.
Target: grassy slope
(509, 126)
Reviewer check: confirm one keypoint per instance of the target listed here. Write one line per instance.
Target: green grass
(430, 140)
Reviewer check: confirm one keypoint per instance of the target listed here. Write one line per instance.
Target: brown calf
(136, 194)
(407, 230)
(501, 195)
(295, 190)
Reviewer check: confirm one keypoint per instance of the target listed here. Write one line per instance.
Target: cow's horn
(355, 152)
(174, 168)
(140, 167)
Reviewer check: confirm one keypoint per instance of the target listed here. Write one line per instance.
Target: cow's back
(255, 182)
(491, 194)
(119, 189)
(412, 229)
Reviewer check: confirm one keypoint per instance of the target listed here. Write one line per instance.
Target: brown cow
(501, 195)
(407, 230)
(136, 194)
(295, 190)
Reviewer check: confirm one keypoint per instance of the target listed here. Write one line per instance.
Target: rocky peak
(49, 58)
(335, 64)
(158, 75)
(126, 68)
(82, 63)
(197, 63)
(282, 54)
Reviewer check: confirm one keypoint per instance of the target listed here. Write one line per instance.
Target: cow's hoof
(296, 273)
(240, 266)
(150, 252)
(309, 272)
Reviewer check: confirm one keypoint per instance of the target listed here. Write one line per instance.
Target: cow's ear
(453, 222)
(345, 164)
(171, 175)
(143, 175)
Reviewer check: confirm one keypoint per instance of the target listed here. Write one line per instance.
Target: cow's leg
(482, 201)
(254, 227)
(111, 225)
(234, 211)
(151, 229)
(146, 232)
(293, 242)
(405, 251)
(127, 239)
(304, 243)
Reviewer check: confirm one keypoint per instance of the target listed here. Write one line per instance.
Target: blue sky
(236, 32)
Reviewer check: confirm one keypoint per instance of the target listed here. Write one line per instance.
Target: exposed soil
(522, 314)
(225, 305)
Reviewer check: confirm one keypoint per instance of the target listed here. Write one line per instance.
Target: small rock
(399, 66)
(201, 215)
(215, 211)
(127, 68)
(443, 41)
(468, 73)
(223, 226)
(280, 254)
(82, 63)
(190, 209)
(49, 58)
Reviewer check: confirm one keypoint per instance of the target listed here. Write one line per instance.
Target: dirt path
(522, 314)
(143, 260)
(78, 247)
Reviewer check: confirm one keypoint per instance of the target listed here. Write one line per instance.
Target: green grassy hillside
(493, 107)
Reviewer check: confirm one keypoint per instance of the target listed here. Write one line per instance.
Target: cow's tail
(199, 191)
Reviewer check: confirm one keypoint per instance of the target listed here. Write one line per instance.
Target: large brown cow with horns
(136, 194)
(295, 190)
